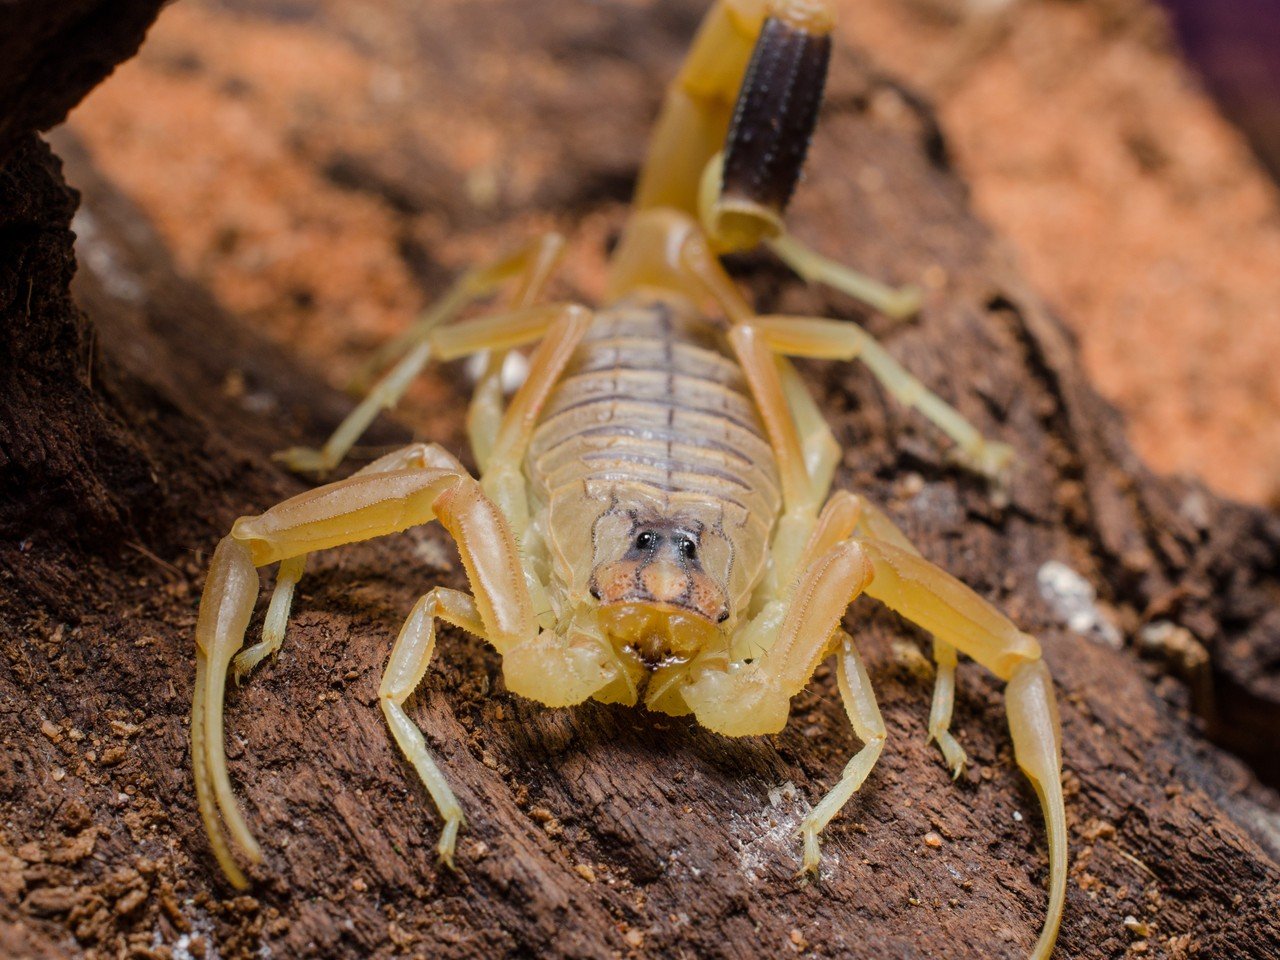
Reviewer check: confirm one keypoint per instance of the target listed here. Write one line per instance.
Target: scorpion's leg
(860, 704)
(944, 699)
(531, 267)
(273, 626)
(503, 477)
(817, 444)
(403, 489)
(937, 601)
(226, 605)
(747, 699)
(898, 303)
(753, 698)
(873, 522)
(290, 571)
(531, 264)
(763, 370)
(230, 591)
(388, 391)
(843, 340)
(410, 658)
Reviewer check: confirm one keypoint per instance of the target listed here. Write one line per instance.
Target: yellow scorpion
(653, 520)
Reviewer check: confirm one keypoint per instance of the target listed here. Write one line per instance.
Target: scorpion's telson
(654, 520)
(773, 123)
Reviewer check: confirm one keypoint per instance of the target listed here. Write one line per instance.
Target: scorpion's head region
(661, 595)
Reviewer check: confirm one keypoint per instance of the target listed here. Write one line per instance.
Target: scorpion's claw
(988, 458)
(903, 303)
(448, 841)
(305, 460)
(952, 752)
(246, 660)
(812, 855)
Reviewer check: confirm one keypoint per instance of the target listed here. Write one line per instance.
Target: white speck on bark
(1074, 600)
(771, 843)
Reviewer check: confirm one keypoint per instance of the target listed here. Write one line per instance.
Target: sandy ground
(1133, 206)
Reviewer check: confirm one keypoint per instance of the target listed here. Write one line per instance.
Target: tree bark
(598, 831)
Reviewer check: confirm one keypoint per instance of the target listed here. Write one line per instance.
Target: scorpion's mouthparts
(658, 633)
(653, 650)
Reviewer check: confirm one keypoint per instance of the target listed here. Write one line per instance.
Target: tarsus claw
(812, 855)
(448, 841)
(304, 460)
(952, 752)
(991, 459)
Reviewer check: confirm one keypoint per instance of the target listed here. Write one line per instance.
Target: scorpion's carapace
(654, 518)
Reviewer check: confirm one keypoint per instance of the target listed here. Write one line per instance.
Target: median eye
(688, 549)
(645, 541)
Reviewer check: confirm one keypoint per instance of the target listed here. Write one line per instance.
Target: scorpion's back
(653, 415)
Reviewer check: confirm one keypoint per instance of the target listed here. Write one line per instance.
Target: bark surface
(128, 444)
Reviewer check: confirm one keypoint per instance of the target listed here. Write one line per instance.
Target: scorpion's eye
(688, 549)
(645, 540)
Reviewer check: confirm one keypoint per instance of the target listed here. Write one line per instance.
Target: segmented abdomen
(652, 399)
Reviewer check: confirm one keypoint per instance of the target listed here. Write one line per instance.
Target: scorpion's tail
(225, 608)
(751, 85)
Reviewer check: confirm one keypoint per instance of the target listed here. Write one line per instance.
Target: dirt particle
(547, 819)
(77, 848)
(358, 885)
(131, 901)
(31, 852)
(1139, 928)
(399, 936)
(634, 937)
(586, 872)
(112, 756)
(12, 882)
(1098, 830)
(50, 901)
(172, 909)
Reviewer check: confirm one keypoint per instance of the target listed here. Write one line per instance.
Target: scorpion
(653, 520)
